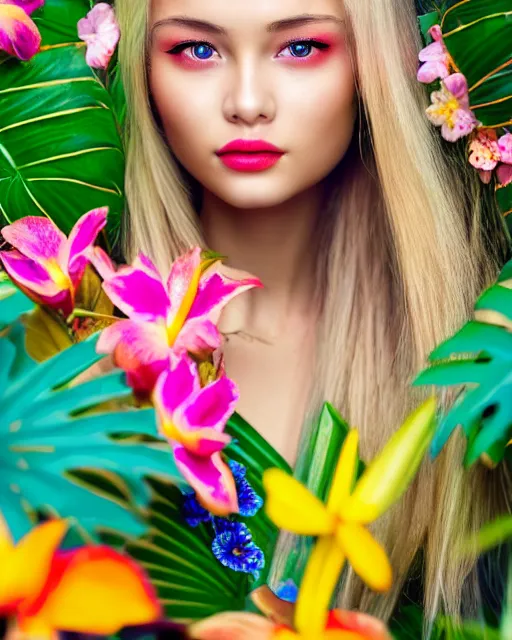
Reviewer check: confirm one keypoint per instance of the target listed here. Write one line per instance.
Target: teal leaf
(48, 428)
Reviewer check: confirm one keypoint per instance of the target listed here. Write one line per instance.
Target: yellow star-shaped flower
(340, 525)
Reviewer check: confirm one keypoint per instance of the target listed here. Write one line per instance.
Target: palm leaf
(48, 428)
(479, 356)
(60, 148)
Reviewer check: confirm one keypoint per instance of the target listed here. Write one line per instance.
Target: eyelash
(182, 46)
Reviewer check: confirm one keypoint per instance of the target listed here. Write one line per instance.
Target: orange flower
(92, 589)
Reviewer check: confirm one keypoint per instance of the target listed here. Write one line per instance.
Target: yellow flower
(340, 524)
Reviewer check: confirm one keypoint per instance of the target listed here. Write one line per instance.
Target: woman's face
(273, 71)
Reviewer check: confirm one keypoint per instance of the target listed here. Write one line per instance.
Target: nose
(249, 98)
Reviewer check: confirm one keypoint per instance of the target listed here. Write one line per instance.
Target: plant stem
(83, 313)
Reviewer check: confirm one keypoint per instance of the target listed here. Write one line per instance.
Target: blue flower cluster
(233, 545)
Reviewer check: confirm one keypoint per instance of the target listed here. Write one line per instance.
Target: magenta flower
(193, 420)
(450, 108)
(178, 315)
(45, 264)
(435, 58)
(99, 29)
(505, 148)
(484, 153)
(19, 35)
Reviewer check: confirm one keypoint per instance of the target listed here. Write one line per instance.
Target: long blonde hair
(404, 255)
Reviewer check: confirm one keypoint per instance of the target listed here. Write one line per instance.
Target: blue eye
(300, 49)
(202, 51)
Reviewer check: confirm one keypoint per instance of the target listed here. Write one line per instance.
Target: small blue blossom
(234, 548)
(288, 591)
(193, 512)
(249, 502)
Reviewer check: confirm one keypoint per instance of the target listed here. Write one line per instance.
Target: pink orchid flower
(435, 58)
(178, 315)
(193, 420)
(45, 264)
(450, 108)
(485, 153)
(19, 35)
(504, 171)
(99, 29)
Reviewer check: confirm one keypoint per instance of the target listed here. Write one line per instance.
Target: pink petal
(102, 263)
(28, 6)
(504, 173)
(505, 147)
(138, 294)
(431, 71)
(465, 123)
(457, 85)
(37, 238)
(19, 35)
(212, 406)
(433, 53)
(176, 385)
(82, 237)
(436, 33)
(99, 29)
(181, 276)
(34, 280)
(215, 292)
(199, 337)
(144, 263)
(485, 176)
(211, 479)
(139, 348)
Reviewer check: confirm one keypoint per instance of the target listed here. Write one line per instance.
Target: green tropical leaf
(490, 536)
(478, 356)
(48, 428)
(468, 28)
(60, 149)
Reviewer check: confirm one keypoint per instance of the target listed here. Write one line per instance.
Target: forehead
(249, 16)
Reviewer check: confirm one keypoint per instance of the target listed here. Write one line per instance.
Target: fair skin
(273, 71)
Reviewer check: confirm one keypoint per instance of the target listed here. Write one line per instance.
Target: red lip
(249, 155)
(249, 146)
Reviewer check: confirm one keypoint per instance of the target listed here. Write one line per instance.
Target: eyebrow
(273, 27)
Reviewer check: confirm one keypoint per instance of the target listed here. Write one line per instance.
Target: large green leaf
(60, 148)
(479, 356)
(468, 28)
(48, 428)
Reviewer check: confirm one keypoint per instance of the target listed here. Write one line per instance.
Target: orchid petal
(293, 508)
(184, 271)
(18, 583)
(138, 294)
(505, 147)
(432, 53)
(81, 239)
(504, 174)
(233, 626)
(322, 573)
(345, 473)
(28, 6)
(140, 349)
(95, 590)
(212, 406)
(19, 35)
(431, 71)
(36, 238)
(457, 85)
(176, 385)
(365, 555)
(202, 443)
(29, 274)
(215, 292)
(101, 261)
(199, 337)
(389, 474)
(211, 479)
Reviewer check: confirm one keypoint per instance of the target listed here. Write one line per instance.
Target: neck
(275, 244)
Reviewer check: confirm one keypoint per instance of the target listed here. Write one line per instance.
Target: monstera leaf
(48, 428)
(468, 29)
(484, 408)
(60, 148)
